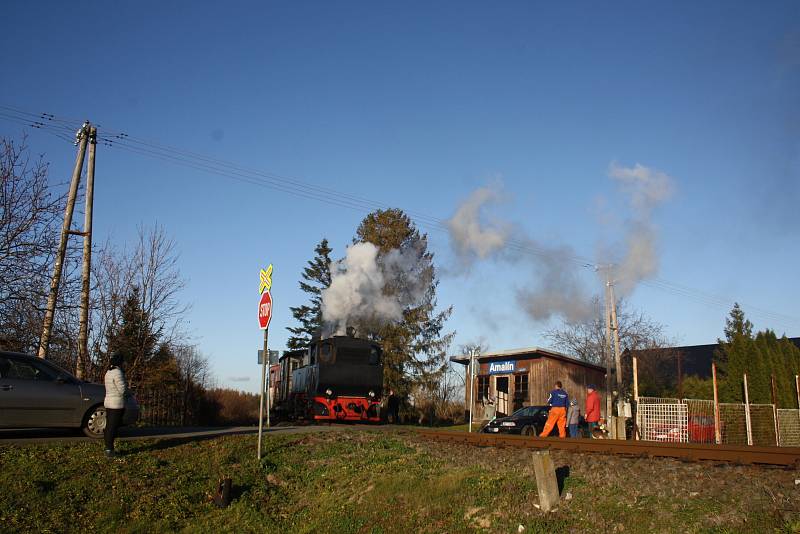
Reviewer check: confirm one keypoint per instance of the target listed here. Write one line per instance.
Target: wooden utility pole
(83, 331)
(47, 327)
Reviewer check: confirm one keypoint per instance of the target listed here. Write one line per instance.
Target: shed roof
(528, 352)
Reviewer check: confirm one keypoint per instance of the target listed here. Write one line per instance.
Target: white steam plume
(557, 287)
(368, 289)
(470, 238)
(646, 189)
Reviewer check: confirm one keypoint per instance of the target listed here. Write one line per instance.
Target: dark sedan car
(527, 421)
(35, 393)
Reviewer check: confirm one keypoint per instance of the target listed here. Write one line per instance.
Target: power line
(60, 127)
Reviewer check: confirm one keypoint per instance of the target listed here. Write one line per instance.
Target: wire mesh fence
(658, 400)
(789, 427)
(663, 421)
(733, 423)
(762, 424)
(658, 420)
(700, 420)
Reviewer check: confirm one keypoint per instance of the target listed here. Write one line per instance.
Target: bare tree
(31, 212)
(151, 269)
(585, 339)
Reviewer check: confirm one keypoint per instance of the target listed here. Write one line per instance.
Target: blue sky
(415, 105)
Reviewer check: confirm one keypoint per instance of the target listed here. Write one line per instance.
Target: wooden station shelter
(524, 377)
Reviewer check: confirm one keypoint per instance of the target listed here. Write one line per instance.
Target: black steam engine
(335, 379)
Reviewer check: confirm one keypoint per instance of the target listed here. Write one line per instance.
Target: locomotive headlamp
(329, 392)
(371, 394)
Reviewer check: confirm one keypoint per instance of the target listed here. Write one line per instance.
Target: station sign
(502, 368)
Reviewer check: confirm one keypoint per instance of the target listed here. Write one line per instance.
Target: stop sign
(264, 310)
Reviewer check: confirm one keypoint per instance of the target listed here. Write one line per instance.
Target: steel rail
(777, 456)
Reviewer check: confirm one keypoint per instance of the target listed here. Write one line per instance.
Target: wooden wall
(543, 373)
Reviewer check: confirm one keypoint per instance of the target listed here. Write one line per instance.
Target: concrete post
(546, 481)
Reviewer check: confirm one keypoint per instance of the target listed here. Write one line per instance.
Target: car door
(33, 396)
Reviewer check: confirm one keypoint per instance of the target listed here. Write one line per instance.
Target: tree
(761, 357)
(134, 338)
(151, 270)
(737, 325)
(415, 348)
(586, 339)
(30, 222)
(316, 277)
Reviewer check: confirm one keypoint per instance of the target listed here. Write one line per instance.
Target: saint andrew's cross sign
(265, 303)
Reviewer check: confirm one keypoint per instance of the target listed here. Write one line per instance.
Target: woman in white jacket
(116, 391)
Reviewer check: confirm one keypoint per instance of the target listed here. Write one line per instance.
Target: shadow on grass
(168, 443)
(562, 473)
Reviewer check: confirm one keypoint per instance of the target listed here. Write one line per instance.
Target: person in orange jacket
(558, 402)
(592, 407)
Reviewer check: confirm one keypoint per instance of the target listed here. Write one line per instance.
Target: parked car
(527, 421)
(35, 393)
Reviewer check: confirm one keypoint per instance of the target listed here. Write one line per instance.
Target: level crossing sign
(265, 302)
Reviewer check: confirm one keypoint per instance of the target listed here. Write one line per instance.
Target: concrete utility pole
(617, 355)
(607, 350)
(470, 375)
(47, 327)
(83, 332)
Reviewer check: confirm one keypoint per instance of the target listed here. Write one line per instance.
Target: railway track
(788, 457)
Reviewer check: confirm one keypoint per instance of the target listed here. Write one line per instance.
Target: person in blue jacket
(558, 402)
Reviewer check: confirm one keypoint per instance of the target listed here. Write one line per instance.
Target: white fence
(692, 421)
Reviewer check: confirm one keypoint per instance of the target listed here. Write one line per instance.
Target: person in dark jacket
(393, 406)
(558, 402)
(114, 402)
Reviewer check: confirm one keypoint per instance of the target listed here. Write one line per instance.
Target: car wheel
(527, 431)
(95, 422)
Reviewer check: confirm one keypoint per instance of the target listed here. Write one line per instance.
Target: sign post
(264, 317)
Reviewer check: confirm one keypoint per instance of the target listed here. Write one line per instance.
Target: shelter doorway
(501, 385)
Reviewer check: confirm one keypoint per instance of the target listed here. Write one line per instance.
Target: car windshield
(524, 412)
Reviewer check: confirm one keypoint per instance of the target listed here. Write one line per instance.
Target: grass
(346, 481)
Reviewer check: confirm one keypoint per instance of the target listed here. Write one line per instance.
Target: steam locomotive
(335, 379)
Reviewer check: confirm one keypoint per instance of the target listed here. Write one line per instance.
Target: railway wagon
(335, 379)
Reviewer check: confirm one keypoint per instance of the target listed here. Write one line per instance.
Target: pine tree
(134, 338)
(415, 349)
(316, 277)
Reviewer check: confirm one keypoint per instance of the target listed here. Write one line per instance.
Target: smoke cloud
(471, 239)
(368, 289)
(557, 287)
(645, 189)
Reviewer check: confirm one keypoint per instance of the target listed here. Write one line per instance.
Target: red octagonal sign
(264, 310)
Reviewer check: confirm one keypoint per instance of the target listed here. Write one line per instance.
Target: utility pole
(47, 327)
(83, 332)
(471, 374)
(617, 361)
(607, 349)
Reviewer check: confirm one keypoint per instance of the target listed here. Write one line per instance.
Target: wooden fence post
(717, 430)
(747, 412)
